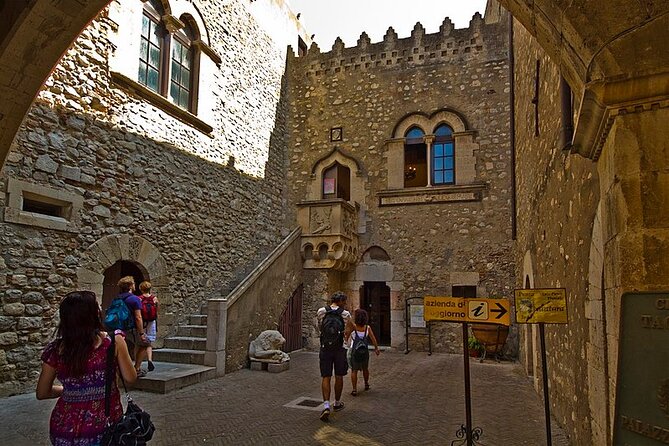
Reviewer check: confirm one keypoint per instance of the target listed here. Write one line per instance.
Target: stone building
(400, 169)
(561, 181)
(121, 167)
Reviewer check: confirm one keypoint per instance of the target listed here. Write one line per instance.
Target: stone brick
(15, 309)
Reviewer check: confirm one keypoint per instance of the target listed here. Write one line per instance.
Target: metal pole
(468, 395)
(406, 325)
(547, 406)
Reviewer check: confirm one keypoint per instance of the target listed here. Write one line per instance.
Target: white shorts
(151, 331)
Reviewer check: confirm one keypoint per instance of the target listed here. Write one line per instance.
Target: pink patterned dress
(78, 419)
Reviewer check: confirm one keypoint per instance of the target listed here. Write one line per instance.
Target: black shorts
(333, 358)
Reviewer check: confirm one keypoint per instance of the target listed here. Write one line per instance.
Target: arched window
(443, 156)
(415, 158)
(182, 68)
(151, 64)
(168, 61)
(337, 182)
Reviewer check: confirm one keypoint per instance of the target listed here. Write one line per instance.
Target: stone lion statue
(267, 347)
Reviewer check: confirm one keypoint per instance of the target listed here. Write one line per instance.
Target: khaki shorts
(135, 339)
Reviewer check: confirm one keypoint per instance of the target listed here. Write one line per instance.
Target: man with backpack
(335, 326)
(125, 313)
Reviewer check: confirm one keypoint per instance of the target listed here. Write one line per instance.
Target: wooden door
(376, 301)
(290, 322)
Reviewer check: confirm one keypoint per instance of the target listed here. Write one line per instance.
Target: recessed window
(150, 54)
(443, 156)
(464, 291)
(168, 61)
(40, 207)
(180, 85)
(415, 158)
(337, 182)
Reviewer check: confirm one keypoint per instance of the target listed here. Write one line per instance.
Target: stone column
(217, 317)
(429, 142)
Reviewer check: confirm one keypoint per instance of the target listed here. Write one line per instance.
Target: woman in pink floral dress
(78, 358)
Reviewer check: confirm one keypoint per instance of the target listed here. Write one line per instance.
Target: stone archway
(33, 37)
(599, 381)
(109, 250)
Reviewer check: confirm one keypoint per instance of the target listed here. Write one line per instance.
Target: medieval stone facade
(120, 178)
(352, 107)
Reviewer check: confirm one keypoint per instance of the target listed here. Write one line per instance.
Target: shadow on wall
(210, 222)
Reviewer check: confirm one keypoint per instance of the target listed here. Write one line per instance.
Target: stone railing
(253, 306)
(329, 237)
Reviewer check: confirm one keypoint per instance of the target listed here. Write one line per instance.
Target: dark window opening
(40, 207)
(301, 47)
(337, 182)
(415, 158)
(535, 100)
(467, 291)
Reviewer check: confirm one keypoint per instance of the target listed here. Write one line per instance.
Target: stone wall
(557, 199)
(368, 90)
(141, 172)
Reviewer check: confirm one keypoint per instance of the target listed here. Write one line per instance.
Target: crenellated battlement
(448, 44)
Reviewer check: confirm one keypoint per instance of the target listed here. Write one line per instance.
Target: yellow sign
(547, 305)
(459, 309)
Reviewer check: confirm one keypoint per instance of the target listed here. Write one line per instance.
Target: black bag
(135, 427)
(360, 347)
(332, 329)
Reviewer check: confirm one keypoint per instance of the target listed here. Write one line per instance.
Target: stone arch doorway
(134, 255)
(375, 291)
(120, 269)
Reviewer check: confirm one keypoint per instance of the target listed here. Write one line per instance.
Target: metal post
(407, 320)
(547, 406)
(468, 395)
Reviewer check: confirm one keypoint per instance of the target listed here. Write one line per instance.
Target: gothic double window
(168, 60)
(429, 160)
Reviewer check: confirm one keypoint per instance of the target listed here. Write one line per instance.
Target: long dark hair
(80, 323)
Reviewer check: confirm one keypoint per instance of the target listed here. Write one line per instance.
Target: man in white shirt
(335, 325)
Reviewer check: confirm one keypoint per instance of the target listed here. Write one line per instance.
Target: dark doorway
(119, 269)
(290, 322)
(376, 300)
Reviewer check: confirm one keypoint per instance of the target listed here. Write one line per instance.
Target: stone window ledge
(433, 194)
(139, 90)
(71, 204)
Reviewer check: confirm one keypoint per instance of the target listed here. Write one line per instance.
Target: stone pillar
(217, 316)
(429, 142)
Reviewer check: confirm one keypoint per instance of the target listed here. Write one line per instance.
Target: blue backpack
(119, 316)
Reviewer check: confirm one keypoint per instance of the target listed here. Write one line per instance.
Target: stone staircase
(180, 362)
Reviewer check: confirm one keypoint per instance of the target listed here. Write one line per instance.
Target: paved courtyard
(414, 399)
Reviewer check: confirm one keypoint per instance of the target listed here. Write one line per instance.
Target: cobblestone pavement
(414, 399)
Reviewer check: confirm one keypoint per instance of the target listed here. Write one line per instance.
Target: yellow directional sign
(547, 305)
(458, 309)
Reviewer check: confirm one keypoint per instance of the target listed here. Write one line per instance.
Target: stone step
(179, 356)
(186, 343)
(198, 331)
(172, 376)
(198, 319)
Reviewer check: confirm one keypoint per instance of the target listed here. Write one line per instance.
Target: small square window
(336, 134)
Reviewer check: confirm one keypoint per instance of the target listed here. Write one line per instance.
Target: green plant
(475, 345)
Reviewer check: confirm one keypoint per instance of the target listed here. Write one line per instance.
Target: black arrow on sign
(500, 309)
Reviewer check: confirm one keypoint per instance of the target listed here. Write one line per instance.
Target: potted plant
(475, 347)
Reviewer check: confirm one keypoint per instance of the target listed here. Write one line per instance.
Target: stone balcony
(329, 237)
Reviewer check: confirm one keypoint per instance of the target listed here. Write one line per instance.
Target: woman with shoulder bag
(78, 358)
